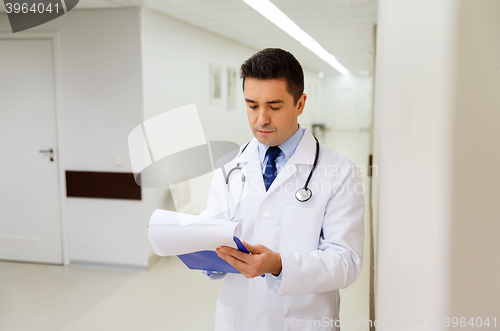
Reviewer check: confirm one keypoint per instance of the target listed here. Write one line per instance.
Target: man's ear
(301, 103)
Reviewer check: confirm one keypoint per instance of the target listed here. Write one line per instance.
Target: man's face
(272, 114)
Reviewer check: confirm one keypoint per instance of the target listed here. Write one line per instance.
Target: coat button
(266, 214)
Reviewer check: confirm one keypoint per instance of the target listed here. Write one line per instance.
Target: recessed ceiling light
(276, 16)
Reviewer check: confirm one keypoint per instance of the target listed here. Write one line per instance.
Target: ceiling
(343, 27)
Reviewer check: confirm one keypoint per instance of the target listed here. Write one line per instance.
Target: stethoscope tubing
(314, 164)
(243, 179)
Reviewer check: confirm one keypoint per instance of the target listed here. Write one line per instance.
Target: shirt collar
(288, 147)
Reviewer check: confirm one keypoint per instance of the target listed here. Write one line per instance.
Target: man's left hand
(261, 260)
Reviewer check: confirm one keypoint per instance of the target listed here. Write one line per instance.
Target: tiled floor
(169, 296)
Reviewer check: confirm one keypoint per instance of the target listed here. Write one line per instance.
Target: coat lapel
(251, 168)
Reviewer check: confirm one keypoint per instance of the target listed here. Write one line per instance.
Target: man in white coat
(306, 250)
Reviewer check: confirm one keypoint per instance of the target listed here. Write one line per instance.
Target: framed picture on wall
(231, 89)
(215, 84)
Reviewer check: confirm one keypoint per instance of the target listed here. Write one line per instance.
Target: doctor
(306, 249)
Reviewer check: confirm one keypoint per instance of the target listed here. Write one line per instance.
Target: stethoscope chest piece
(303, 194)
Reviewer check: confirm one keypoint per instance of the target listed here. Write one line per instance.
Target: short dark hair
(275, 63)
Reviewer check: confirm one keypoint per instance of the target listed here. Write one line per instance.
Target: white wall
(348, 103)
(436, 135)
(99, 102)
(176, 63)
(412, 127)
(474, 229)
(314, 102)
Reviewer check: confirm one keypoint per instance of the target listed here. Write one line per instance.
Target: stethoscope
(303, 194)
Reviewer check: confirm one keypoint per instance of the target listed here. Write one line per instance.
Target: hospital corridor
(249, 165)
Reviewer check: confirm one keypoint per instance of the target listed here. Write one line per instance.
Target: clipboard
(209, 260)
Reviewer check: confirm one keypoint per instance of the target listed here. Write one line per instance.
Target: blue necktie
(270, 170)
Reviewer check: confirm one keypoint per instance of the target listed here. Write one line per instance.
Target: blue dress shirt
(287, 150)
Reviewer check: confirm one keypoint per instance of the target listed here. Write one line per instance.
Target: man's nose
(263, 117)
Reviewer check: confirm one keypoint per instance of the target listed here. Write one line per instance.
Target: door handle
(51, 151)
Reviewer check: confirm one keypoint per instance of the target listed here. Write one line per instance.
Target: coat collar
(304, 154)
(306, 150)
(250, 162)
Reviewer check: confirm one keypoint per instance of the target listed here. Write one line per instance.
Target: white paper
(171, 233)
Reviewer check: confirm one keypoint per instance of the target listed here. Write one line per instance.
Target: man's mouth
(264, 132)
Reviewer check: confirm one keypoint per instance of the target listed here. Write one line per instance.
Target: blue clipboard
(209, 260)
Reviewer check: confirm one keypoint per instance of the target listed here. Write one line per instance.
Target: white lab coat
(320, 241)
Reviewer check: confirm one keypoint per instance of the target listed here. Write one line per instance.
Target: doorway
(30, 209)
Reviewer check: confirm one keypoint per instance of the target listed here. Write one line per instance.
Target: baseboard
(113, 266)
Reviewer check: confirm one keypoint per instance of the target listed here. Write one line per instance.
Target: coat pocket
(300, 229)
(224, 317)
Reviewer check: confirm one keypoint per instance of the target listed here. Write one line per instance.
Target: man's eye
(274, 108)
(253, 107)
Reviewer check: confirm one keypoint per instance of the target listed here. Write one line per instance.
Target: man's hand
(261, 260)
